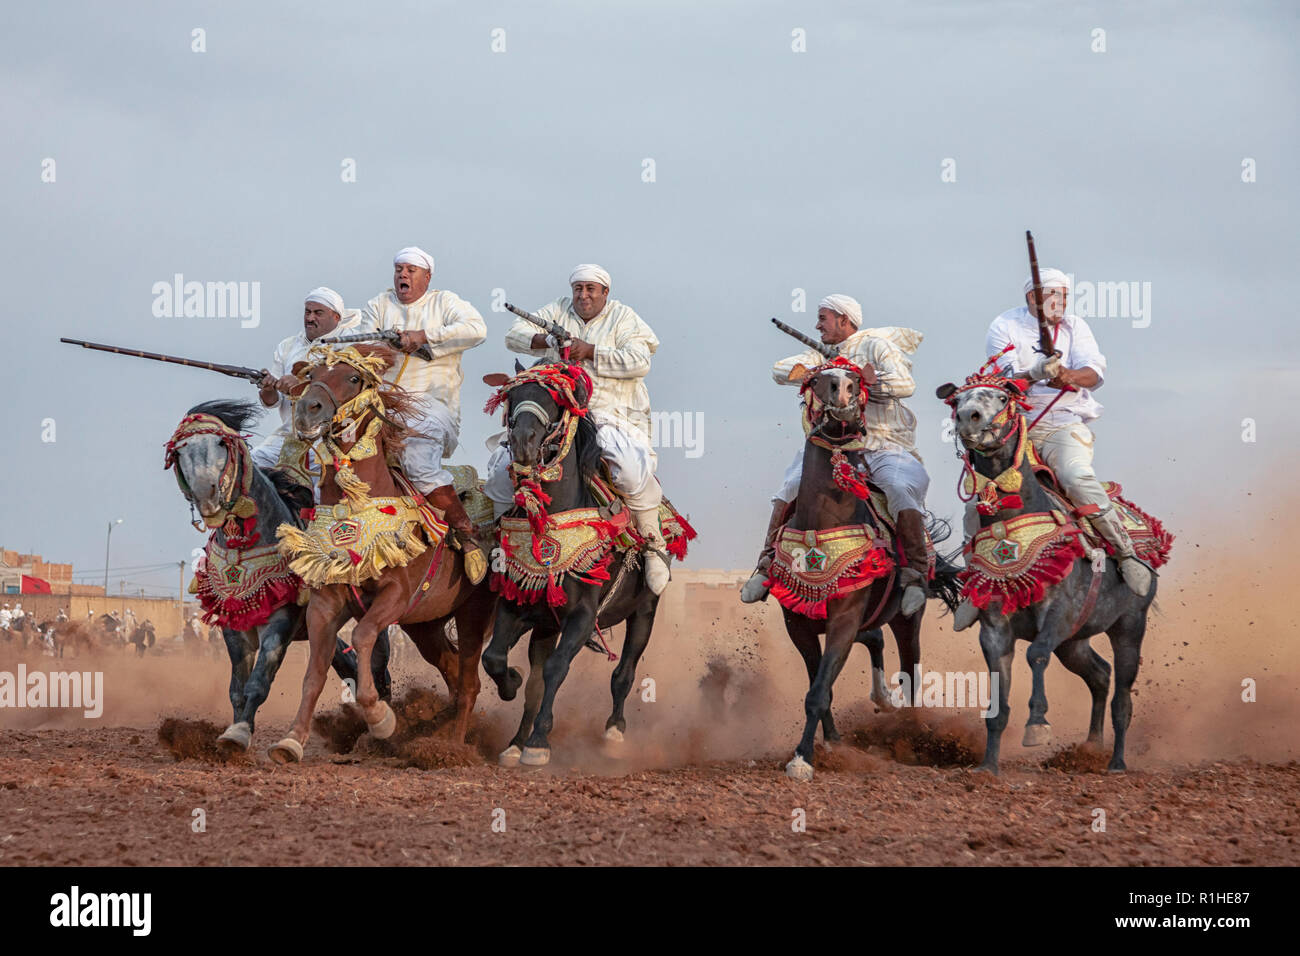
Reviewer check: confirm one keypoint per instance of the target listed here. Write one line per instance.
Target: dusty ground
(113, 797)
(1212, 754)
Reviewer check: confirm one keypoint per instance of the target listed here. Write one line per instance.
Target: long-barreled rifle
(235, 371)
(387, 336)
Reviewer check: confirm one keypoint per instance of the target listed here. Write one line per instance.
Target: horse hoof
(383, 728)
(613, 735)
(237, 736)
(1037, 734)
(799, 769)
(509, 757)
(535, 756)
(989, 768)
(287, 750)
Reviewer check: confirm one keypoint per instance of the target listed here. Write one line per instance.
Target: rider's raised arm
(462, 328)
(998, 337)
(782, 369)
(1084, 351)
(519, 338)
(893, 370)
(629, 356)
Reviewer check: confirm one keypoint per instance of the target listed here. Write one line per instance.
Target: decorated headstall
(238, 512)
(1002, 492)
(815, 422)
(570, 387)
(350, 413)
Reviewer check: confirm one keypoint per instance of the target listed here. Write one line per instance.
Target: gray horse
(256, 654)
(1057, 623)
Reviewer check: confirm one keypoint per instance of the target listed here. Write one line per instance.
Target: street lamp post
(107, 541)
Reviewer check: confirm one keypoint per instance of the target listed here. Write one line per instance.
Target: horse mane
(233, 413)
(295, 496)
(399, 404)
(586, 449)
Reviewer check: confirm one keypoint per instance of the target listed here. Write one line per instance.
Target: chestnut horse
(344, 396)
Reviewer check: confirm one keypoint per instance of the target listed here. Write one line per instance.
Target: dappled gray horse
(246, 586)
(1055, 582)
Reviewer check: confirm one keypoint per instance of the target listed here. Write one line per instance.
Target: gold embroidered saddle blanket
(811, 568)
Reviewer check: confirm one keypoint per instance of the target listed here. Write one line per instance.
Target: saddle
(677, 531)
(1151, 542)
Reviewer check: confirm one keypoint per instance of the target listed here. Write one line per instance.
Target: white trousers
(631, 463)
(436, 435)
(899, 475)
(1068, 449)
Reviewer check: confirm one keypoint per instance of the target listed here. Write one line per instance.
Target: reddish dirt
(1212, 754)
(113, 797)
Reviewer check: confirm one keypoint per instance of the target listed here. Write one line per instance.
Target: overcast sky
(774, 170)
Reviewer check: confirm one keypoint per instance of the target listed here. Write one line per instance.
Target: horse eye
(354, 379)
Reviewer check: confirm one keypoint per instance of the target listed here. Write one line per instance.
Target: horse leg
(325, 614)
(998, 645)
(577, 628)
(1079, 657)
(473, 624)
(509, 626)
(385, 607)
(1126, 643)
(540, 646)
(874, 641)
(842, 623)
(273, 640)
(907, 635)
(639, 626)
(805, 635)
(1052, 631)
(242, 647)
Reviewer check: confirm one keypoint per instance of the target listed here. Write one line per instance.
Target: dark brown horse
(336, 408)
(831, 500)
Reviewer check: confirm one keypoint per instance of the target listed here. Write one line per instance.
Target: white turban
(845, 305)
(415, 256)
(1051, 278)
(589, 272)
(327, 297)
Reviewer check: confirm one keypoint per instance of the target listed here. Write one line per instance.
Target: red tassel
(554, 593)
(388, 510)
(307, 514)
(356, 558)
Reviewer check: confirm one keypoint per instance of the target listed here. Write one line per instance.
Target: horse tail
(945, 585)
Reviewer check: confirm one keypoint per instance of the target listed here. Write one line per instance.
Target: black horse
(990, 426)
(536, 420)
(256, 653)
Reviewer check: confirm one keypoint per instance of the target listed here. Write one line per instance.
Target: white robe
(620, 401)
(452, 326)
(290, 351)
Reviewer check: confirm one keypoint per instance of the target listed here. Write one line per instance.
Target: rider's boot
(1135, 574)
(656, 551)
(913, 577)
(445, 499)
(755, 589)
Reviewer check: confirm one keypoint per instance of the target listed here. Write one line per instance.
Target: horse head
(210, 457)
(541, 402)
(339, 384)
(835, 393)
(986, 410)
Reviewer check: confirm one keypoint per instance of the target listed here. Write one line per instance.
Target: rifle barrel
(826, 350)
(235, 371)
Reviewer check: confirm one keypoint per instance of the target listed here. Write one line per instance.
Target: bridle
(234, 485)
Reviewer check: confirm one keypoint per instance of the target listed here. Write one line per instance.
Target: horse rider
(890, 435)
(6, 617)
(614, 345)
(449, 326)
(323, 313)
(1061, 437)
